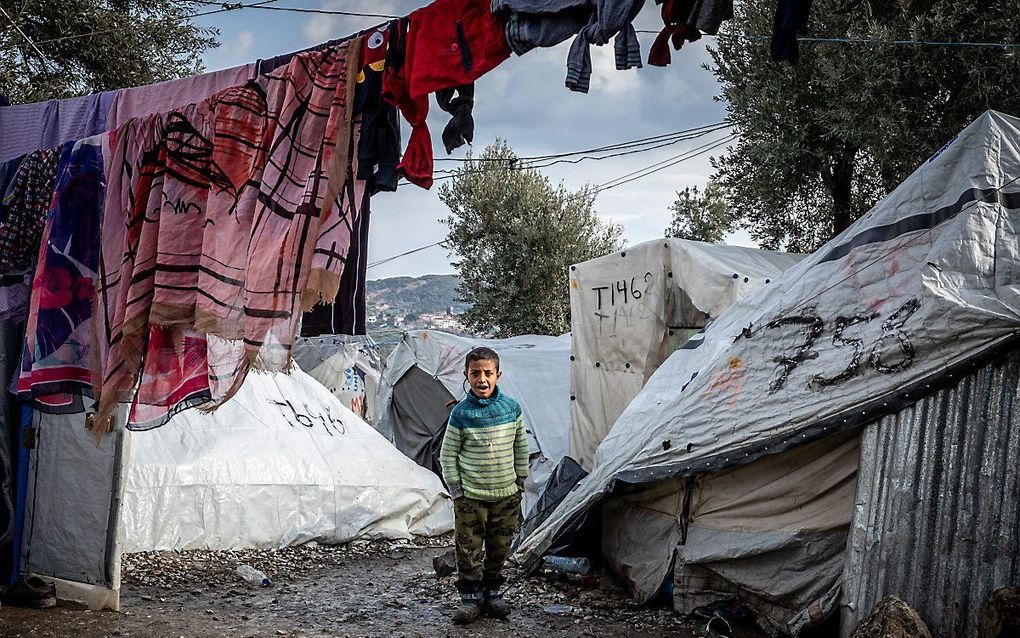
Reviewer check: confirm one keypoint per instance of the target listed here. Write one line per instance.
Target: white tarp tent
(629, 310)
(426, 370)
(281, 463)
(926, 281)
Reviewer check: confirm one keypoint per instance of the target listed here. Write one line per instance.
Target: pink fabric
(165, 96)
(222, 219)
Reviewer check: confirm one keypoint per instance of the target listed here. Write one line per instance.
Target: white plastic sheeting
(535, 372)
(624, 308)
(281, 463)
(925, 281)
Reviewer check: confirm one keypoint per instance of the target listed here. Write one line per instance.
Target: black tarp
(420, 413)
(346, 315)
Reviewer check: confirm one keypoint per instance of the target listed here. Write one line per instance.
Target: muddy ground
(361, 589)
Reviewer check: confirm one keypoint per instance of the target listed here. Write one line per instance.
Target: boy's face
(482, 375)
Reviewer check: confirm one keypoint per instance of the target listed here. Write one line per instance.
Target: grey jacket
(546, 23)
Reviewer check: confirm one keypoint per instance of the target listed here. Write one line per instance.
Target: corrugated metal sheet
(937, 518)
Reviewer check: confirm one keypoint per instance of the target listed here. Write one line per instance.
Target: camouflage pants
(491, 524)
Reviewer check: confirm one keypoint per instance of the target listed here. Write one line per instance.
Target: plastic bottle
(253, 576)
(564, 565)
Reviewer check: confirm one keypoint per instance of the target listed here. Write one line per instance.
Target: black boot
(470, 603)
(494, 606)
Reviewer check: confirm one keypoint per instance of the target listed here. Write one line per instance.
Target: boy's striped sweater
(485, 449)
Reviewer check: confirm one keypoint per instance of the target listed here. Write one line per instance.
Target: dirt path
(363, 589)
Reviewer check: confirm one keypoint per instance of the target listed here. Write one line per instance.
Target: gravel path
(386, 589)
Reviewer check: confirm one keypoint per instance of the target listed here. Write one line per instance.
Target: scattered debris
(558, 609)
(445, 564)
(359, 589)
(892, 618)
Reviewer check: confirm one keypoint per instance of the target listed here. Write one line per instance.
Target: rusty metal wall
(937, 513)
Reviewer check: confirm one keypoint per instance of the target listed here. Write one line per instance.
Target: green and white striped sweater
(485, 449)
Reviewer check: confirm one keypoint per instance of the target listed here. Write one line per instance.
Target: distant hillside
(410, 303)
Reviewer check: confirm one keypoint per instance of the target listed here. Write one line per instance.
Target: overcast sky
(523, 101)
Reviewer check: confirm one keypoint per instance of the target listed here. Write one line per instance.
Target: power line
(669, 161)
(14, 24)
(404, 254)
(608, 147)
(634, 149)
(613, 183)
(228, 6)
(225, 7)
(701, 150)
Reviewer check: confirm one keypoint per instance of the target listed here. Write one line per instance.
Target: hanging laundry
(791, 19)
(259, 166)
(708, 15)
(379, 143)
(349, 309)
(8, 169)
(444, 45)
(416, 164)
(532, 23)
(24, 208)
(55, 367)
(161, 97)
(175, 376)
(15, 285)
(29, 127)
(374, 167)
(458, 102)
(527, 31)
(455, 42)
(346, 315)
(686, 21)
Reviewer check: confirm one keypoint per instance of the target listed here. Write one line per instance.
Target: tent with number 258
(811, 449)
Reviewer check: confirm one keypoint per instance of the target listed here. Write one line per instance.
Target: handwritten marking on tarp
(309, 417)
(615, 302)
(812, 327)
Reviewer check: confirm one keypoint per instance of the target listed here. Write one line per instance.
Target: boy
(485, 462)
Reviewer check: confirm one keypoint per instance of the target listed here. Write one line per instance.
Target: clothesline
(762, 38)
(228, 6)
(263, 5)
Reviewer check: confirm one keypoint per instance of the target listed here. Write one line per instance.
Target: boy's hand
(520, 483)
(456, 492)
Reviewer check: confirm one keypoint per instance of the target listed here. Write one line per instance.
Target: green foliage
(701, 215)
(514, 235)
(97, 45)
(822, 142)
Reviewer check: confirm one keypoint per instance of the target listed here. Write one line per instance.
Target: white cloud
(322, 27)
(233, 52)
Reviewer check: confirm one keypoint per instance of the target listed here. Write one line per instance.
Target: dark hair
(481, 354)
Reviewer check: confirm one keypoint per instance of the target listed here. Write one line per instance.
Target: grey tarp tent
(880, 317)
(630, 309)
(426, 370)
(347, 365)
